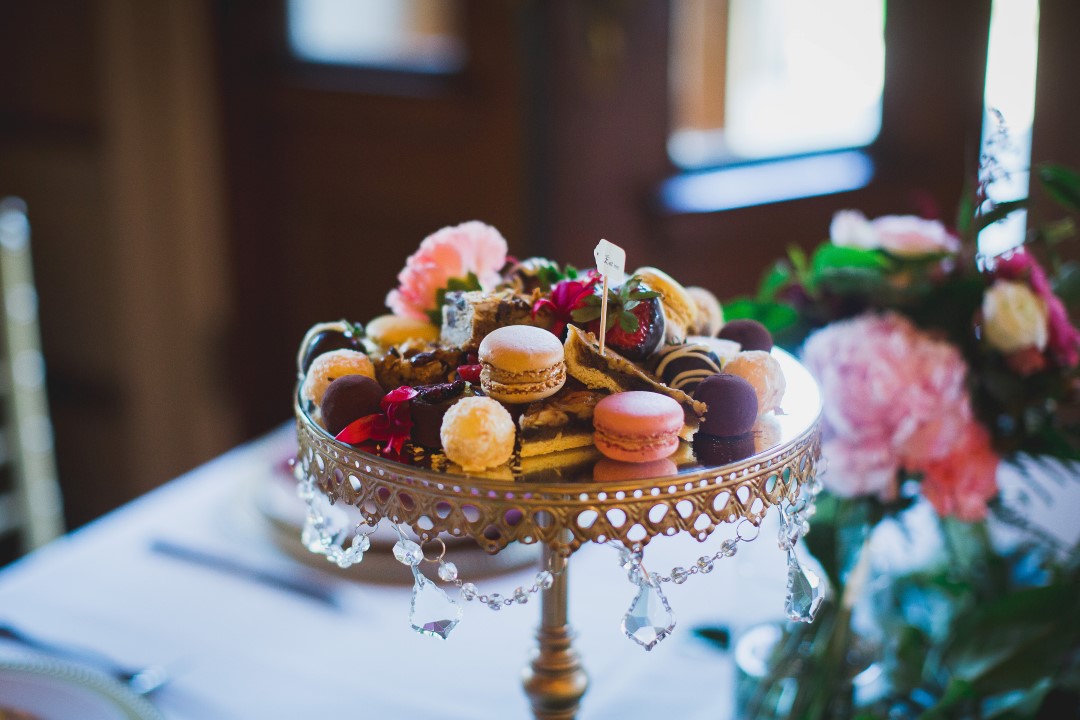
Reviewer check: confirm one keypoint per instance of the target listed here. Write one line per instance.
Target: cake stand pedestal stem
(555, 680)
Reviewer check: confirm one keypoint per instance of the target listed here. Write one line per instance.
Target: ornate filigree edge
(497, 512)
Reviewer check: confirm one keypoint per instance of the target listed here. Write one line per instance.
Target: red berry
(636, 333)
(470, 373)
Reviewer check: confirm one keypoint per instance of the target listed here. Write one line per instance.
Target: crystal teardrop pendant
(805, 591)
(649, 619)
(432, 613)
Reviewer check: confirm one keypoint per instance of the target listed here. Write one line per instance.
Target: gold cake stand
(563, 511)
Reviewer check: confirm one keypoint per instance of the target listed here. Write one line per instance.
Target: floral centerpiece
(938, 364)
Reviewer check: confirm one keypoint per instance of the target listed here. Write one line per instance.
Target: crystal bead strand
(702, 566)
(805, 589)
(494, 601)
(321, 535)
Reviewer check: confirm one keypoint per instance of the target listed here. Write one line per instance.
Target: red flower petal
(400, 395)
(358, 431)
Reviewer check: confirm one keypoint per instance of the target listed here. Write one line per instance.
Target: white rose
(850, 228)
(1014, 317)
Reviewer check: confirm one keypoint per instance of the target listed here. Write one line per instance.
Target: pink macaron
(637, 426)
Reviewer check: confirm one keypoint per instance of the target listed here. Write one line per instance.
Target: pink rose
(910, 236)
(1063, 339)
(452, 252)
(901, 235)
(894, 397)
(961, 483)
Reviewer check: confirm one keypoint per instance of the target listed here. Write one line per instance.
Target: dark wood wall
(52, 154)
(108, 130)
(337, 174)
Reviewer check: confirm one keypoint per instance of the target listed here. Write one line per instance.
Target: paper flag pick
(611, 264)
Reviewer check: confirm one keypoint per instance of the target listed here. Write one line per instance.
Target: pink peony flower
(452, 252)
(961, 483)
(901, 235)
(857, 470)
(1063, 339)
(894, 398)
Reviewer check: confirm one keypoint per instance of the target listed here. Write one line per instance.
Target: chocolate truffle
(715, 450)
(732, 405)
(324, 337)
(330, 366)
(428, 408)
(764, 373)
(751, 334)
(350, 398)
(684, 366)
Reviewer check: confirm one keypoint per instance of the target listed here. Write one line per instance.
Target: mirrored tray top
(565, 499)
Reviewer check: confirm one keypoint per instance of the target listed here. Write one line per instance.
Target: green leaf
(965, 212)
(548, 275)
(774, 280)
(861, 281)
(585, 314)
(718, 636)
(1058, 232)
(1062, 184)
(799, 262)
(643, 295)
(956, 693)
(1017, 705)
(467, 283)
(591, 301)
(1067, 284)
(1011, 642)
(774, 316)
(829, 257)
(911, 651)
(1035, 658)
(629, 322)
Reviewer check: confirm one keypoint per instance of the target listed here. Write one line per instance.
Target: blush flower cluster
(897, 404)
(899, 235)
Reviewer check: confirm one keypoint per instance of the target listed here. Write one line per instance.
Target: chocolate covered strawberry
(635, 321)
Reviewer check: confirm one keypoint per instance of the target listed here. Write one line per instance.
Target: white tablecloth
(238, 649)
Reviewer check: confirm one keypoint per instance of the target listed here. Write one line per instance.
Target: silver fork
(141, 681)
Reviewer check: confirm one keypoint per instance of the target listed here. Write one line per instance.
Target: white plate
(59, 691)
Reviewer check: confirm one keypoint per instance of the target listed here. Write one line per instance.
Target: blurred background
(207, 178)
